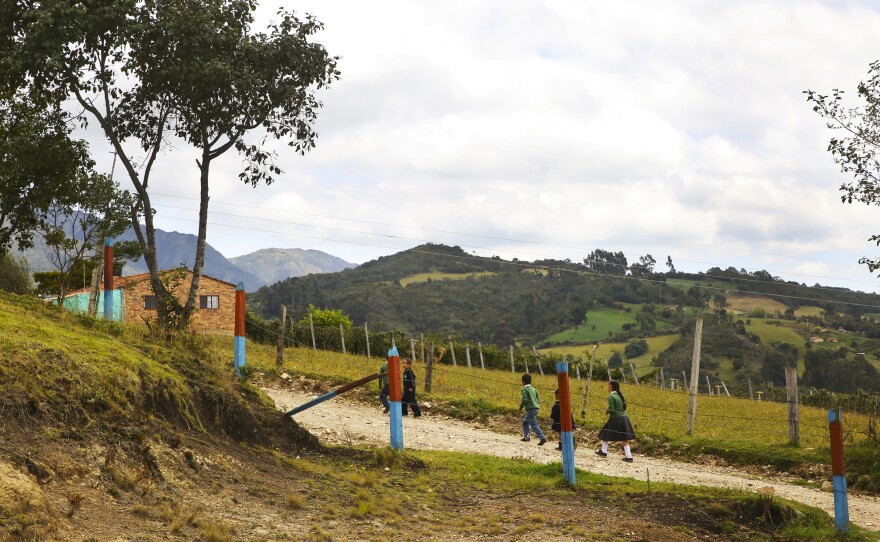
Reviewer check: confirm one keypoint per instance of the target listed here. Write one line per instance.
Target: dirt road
(342, 421)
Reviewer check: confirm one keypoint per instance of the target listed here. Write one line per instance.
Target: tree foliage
(326, 317)
(153, 73)
(606, 262)
(15, 276)
(40, 166)
(855, 146)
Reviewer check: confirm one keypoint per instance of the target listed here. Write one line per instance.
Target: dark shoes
(600, 453)
(525, 439)
(627, 459)
(385, 410)
(542, 442)
(559, 446)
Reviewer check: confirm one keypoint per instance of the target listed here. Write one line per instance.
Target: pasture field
(748, 303)
(437, 275)
(734, 423)
(813, 311)
(599, 324)
(771, 330)
(716, 285)
(641, 363)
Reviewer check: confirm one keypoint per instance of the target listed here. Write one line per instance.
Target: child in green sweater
(531, 404)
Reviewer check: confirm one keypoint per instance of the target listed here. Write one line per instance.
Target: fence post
(695, 377)
(429, 369)
(422, 343)
(662, 379)
(367, 335)
(726, 392)
(412, 349)
(566, 437)
(538, 360)
(791, 393)
(708, 385)
(467, 355)
(238, 360)
(109, 293)
(633, 369)
(587, 383)
(342, 338)
(577, 370)
(312, 327)
(512, 367)
(751, 393)
(482, 363)
(526, 363)
(279, 355)
(395, 396)
(684, 379)
(841, 504)
(452, 350)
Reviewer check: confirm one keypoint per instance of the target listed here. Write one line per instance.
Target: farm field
(642, 363)
(810, 311)
(656, 412)
(771, 330)
(437, 275)
(684, 284)
(599, 324)
(748, 303)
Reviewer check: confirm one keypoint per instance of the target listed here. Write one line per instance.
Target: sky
(551, 128)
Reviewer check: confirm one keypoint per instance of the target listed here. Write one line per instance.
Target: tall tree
(40, 165)
(154, 71)
(857, 147)
(606, 262)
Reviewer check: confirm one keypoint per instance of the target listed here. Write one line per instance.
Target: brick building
(215, 306)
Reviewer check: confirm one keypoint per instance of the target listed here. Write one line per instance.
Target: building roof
(121, 281)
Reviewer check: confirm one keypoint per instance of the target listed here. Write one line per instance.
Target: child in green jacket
(531, 404)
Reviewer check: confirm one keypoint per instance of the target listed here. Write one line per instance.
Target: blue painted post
(395, 393)
(108, 278)
(239, 359)
(838, 476)
(566, 428)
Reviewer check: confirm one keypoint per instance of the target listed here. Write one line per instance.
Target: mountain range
(261, 268)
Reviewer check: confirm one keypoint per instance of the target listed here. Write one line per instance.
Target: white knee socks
(626, 451)
(604, 447)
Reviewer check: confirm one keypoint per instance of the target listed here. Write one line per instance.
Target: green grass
(812, 311)
(771, 330)
(438, 275)
(603, 320)
(642, 363)
(748, 303)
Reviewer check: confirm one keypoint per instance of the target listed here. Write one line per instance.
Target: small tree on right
(856, 145)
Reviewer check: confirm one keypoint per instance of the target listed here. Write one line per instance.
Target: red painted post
(565, 430)
(395, 395)
(838, 475)
(239, 359)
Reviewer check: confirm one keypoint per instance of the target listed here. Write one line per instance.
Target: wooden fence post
(566, 440)
(312, 327)
(587, 383)
(726, 392)
(695, 377)
(279, 355)
(342, 338)
(467, 355)
(838, 478)
(395, 395)
(662, 379)
(791, 393)
(633, 369)
(367, 336)
(751, 393)
(412, 349)
(482, 363)
(538, 361)
(239, 357)
(526, 363)
(512, 366)
(577, 370)
(429, 369)
(708, 385)
(684, 379)
(452, 350)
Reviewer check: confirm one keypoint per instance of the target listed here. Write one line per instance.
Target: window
(150, 302)
(209, 302)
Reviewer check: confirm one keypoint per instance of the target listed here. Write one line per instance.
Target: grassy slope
(125, 437)
(438, 275)
(641, 363)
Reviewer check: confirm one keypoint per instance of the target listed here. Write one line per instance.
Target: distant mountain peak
(272, 265)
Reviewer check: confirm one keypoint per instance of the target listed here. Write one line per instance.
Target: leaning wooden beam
(331, 394)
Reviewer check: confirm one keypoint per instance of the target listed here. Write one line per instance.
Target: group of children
(617, 429)
(409, 389)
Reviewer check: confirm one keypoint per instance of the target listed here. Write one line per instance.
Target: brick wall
(220, 320)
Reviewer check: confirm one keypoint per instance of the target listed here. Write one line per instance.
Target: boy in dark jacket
(409, 390)
(383, 388)
(557, 424)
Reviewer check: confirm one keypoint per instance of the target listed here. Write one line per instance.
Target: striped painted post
(566, 429)
(108, 279)
(395, 393)
(239, 359)
(838, 476)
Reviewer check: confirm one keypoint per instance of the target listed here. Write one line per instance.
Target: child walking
(409, 389)
(557, 423)
(383, 388)
(531, 404)
(618, 427)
